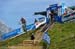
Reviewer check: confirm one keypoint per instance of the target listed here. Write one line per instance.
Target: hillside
(62, 36)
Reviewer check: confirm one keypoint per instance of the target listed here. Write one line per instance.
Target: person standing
(23, 22)
(52, 16)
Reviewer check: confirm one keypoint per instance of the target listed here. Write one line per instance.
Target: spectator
(23, 22)
(32, 37)
(52, 16)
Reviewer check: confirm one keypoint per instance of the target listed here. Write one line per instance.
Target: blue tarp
(33, 27)
(17, 32)
(28, 27)
(11, 34)
(46, 37)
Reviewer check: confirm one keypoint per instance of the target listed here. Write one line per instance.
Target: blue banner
(58, 19)
(52, 7)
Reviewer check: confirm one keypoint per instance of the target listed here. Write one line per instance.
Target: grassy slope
(18, 39)
(62, 36)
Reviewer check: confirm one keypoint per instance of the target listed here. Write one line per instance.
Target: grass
(62, 36)
(18, 39)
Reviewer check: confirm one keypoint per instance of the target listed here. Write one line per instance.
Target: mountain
(4, 28)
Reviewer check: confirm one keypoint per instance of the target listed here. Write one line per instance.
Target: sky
(11, 11)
